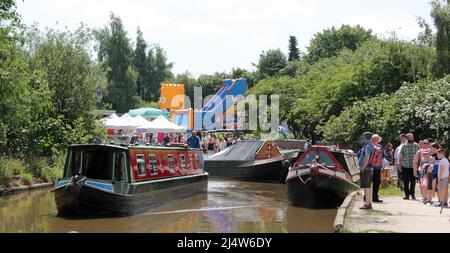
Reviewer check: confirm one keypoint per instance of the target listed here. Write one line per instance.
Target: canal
(229, 206)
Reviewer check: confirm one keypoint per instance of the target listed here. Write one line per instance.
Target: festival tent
(124, 122)
(163, 125)
(106, 120)
(140, 122)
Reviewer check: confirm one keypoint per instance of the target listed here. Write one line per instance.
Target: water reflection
(229, 206)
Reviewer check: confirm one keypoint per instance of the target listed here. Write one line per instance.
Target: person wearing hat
(366, 172)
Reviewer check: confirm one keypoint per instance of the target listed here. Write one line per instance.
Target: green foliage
(317, 93)
(294, 52)
(270, 63)
(115, 53)
(290, 90)
(27, 178)
(331, 42)
(64, 59)
(441, 16)
(9, 167)
(140, 64)
(154, 104)
(422, 108)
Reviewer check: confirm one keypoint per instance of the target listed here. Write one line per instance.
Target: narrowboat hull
(270, 170)
(94, 198)
(317, 190)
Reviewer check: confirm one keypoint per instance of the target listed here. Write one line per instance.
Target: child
(443, 175)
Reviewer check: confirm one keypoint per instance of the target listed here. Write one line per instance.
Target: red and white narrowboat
(126, 180)
(322, 177)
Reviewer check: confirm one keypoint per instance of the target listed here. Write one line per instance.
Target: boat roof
(128, 147)
(239, 151)
(333, 149)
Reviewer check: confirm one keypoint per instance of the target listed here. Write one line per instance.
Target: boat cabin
(331, 158)
(132, 163)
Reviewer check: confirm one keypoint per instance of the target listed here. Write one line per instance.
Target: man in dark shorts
(366, 172)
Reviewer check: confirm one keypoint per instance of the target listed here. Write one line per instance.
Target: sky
(205, 36)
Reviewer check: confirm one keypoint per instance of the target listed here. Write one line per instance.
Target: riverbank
(395, 215)
(17, 175)
(23, 188)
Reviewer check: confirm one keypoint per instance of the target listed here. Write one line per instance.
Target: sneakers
(440, 204)
(437, 204)
(366, 207)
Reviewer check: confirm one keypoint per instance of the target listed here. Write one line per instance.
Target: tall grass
(31, 169)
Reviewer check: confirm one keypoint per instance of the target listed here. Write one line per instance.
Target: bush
(41, 168)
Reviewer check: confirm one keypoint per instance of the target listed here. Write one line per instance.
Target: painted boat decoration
(322, 177)
(249, 160)
(126, 180)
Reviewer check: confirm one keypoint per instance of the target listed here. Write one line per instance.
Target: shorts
(443, 184)
(365, 178)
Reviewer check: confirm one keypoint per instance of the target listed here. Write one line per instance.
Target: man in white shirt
(403, 141)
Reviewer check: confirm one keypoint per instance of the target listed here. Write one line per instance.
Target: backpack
(376, 157)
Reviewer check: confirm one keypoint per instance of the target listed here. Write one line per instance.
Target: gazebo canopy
(163, 125)
(147, 112)
(140, 122)
(124, 122)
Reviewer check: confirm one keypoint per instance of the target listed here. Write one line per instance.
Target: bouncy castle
(223, 103)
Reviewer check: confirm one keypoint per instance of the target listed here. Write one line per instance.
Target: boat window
(325, 158)
(153, 164)
(307, 160)
(341, 159)
(183, 162)
(74, 163)
(140, 161)
(171, 162)
(120, 167)
(97, 164)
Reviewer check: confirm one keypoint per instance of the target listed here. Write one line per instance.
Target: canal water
(229, 206)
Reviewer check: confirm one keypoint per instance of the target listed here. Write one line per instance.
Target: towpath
(396, 215)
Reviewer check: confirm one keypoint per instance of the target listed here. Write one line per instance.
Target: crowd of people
(424, 163)
(209, 143)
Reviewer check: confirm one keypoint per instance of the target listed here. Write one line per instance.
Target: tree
(270, 63)
(331, 41)
(441, 15)
(400, 112)
(294, 52)
(426, 36)
(160, 70)
(140, 64)
(71, 74)
(115, 52)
